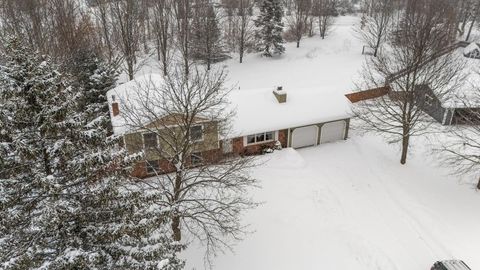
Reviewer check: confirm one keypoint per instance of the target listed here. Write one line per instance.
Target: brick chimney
(115, 107)
(280, 94)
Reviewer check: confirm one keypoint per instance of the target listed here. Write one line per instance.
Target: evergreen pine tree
(66, 200)
(270, 27)
(95, 77)
(207, 44)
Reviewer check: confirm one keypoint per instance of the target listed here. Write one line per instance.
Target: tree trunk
(298, 43)
(165, 68)
(377, 45)
(46, 162)
(405, 144)
(478, 185)
(159, 57)
(470, 30)
(177, 233)
(242, 43)
(130, 70)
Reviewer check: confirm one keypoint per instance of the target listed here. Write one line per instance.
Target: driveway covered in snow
(351, 205)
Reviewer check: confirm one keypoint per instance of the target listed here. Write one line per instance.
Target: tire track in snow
(436, 248)
(368, 186)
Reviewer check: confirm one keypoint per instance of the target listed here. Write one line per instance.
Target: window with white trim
(150, 140)
(153, 166)
(261, 137)
(196, 133)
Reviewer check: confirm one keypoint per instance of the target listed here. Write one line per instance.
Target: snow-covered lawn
(351, 205)
(331, 64)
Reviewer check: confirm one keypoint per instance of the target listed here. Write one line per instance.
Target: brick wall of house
(240, 149)
(140, 168)
(283, 137)
(215, 155)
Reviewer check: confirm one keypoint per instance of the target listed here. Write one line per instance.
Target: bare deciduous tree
(459, 148)
(183, 16)
(104, 22)
(27, 19)
(376, 26)
(53, 27)
(244, 25)
(204, 190)
(324, 10)
(419, 61)
(124, 15)
(297, 22)
(163, 26)
(475, 12)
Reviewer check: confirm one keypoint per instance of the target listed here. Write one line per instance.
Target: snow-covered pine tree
(270, 27)
(95, 77)
(207, 44)
(66, 201)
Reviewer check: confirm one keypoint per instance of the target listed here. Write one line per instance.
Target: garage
(333, 131)
(304, 136)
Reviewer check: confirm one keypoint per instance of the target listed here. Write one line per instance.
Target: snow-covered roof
(257, 110)
(467, 93)
(472, 47)
(132, 95)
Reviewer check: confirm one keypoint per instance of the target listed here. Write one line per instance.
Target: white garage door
(305, 136)
(333, 131)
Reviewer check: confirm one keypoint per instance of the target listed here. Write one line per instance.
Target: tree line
(129, 31)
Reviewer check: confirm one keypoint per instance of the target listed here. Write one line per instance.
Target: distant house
(447, 111)
(264, 118)
(472, 51)
(460, 105)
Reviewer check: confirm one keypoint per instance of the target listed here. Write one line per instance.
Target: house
(459, 102)
(448, 110)
(263, 119)
(145, 127)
